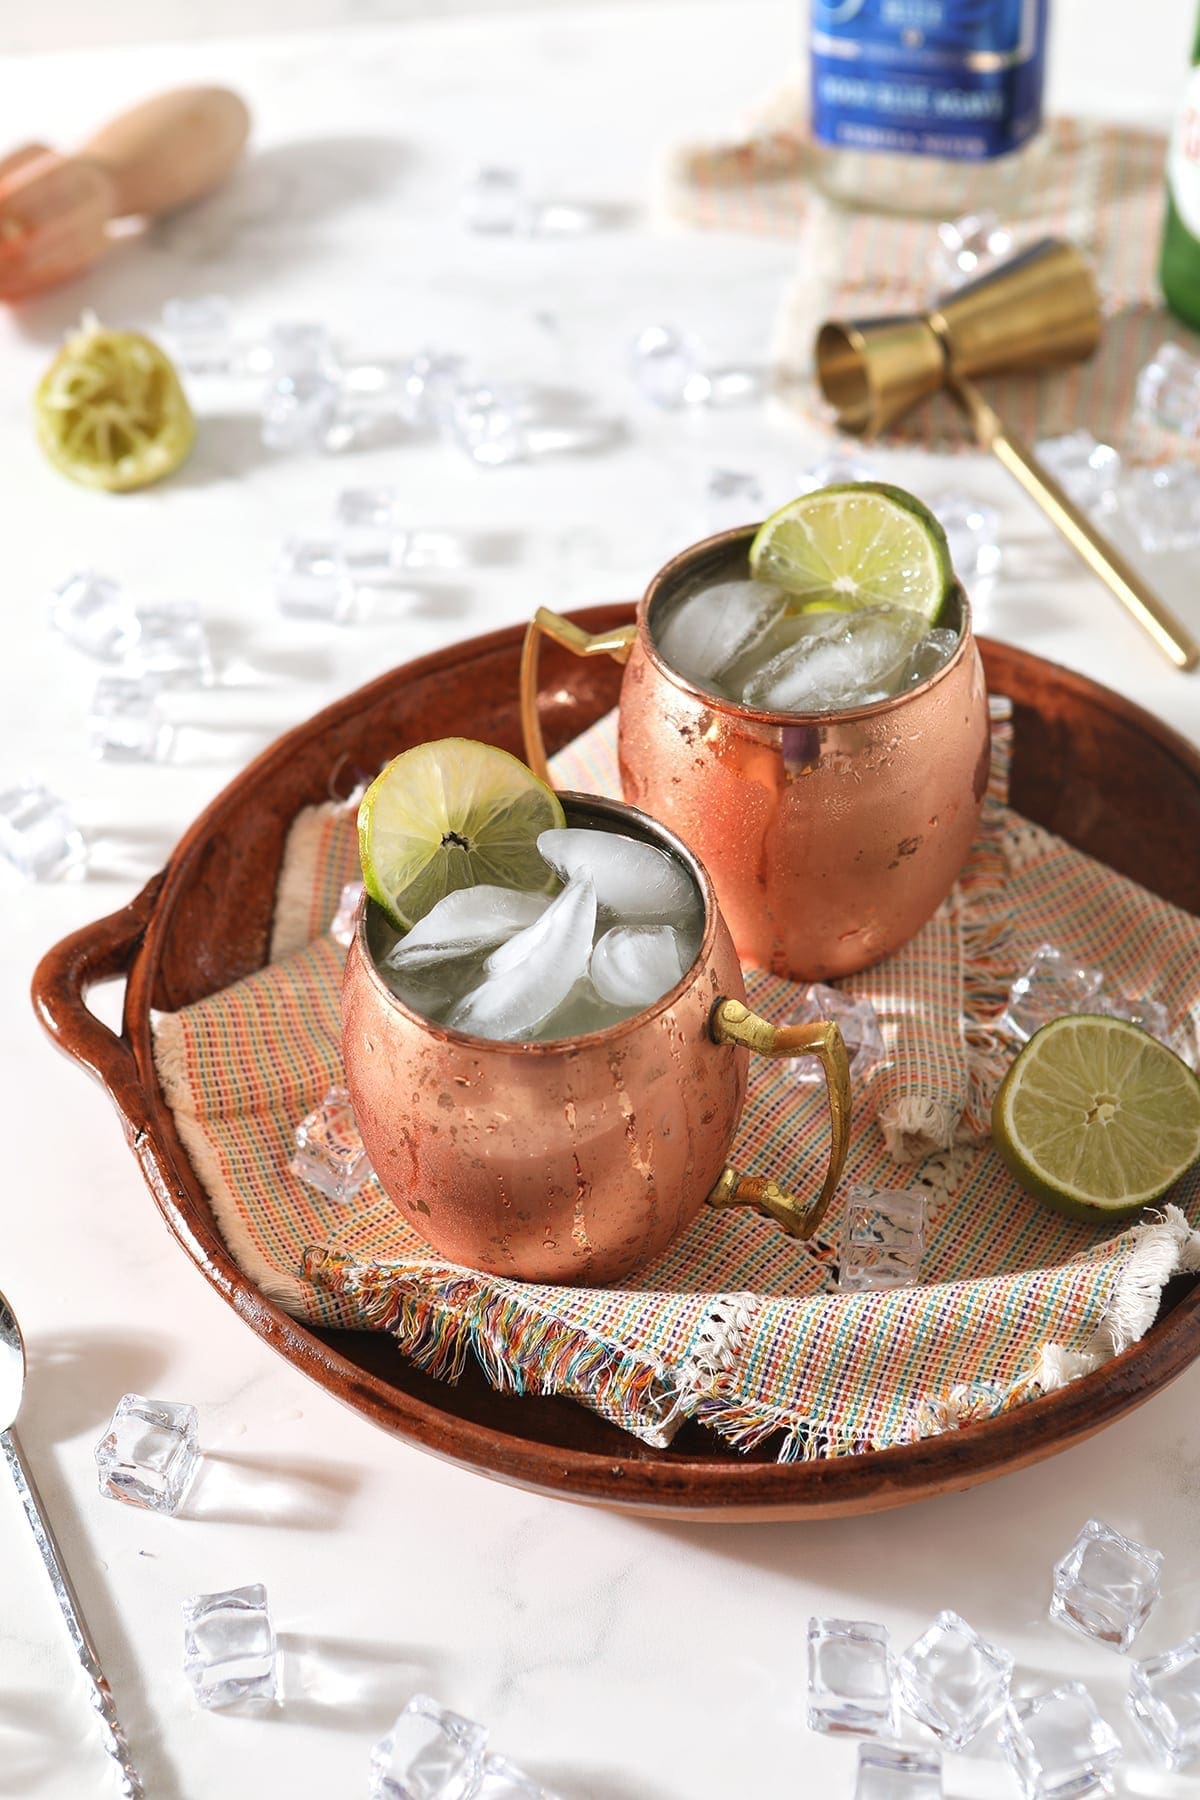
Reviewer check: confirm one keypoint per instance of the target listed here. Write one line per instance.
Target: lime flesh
(1097, 1118)
(110, 411)
(863, 543)
(453, 814)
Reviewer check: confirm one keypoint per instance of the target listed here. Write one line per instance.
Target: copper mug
(579, 1159)
(830, 837)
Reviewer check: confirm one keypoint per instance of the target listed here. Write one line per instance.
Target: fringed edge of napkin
(441, 1318)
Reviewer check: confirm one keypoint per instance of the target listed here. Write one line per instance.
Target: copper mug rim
(679, 564)
(615, 810)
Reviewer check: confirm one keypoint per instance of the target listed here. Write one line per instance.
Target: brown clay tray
(1087, 764)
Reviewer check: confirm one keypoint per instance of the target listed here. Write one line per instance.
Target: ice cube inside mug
(751, 642)
(619, 929)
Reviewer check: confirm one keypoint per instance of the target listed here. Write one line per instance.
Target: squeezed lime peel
(110, 411)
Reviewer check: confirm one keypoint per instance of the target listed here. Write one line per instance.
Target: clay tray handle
(103, 951)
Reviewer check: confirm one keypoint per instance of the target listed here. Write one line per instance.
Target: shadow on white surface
(76, 1378)
(285, 1493)
(350, 1685)
(243, 663)
(229, 447)
(597, 1784)
(129, 852)
(218, 745)
(34, 1734)
(287, 193)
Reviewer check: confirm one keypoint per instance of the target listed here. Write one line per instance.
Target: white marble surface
(622, 1660)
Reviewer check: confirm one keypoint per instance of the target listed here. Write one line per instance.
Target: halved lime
(1096, 1117)
(451, 814)
(110, 411)
(862, 543)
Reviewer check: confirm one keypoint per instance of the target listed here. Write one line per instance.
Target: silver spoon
(12, 1385)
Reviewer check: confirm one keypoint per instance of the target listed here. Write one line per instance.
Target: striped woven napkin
(1101, 185)
(736, 1324)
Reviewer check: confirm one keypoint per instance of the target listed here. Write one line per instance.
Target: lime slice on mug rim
(861, 543)
(451, 814)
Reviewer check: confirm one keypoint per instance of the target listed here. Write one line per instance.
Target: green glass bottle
(1179, 267)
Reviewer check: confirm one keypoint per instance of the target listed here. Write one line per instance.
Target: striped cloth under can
(1099, 184)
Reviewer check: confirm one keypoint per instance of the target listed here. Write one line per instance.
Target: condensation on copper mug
(830, 840)
(569, 1161)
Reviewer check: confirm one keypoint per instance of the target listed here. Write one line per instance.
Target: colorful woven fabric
(735, 1324)
(1099, 185)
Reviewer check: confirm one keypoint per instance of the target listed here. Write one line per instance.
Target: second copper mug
(577, 1159)
(830, 837)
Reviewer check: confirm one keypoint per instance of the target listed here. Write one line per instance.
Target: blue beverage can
(957, 79)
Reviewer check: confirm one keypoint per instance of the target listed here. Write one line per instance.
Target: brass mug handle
(616, 643)
(733, 1023)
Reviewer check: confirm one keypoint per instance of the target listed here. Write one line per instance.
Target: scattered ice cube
(967, 248)
(973, 533)
(1055, 983)
(668, 368)
(1163, 506)
(485, 423)
(150, 1453)
(1106, 1586)
(229, 1651)
(863, 658)
(465, 923)
(1058, 1746)
(898, 1772)
(125, 720)
(1164, 1698)
(859, 1025)
(429, 1754)
(430, 384)
(1150, 1014)
(1090, 472)
(732, 497)
(172, 644)
(953, 1680)
(633, 880)
(539, 967)
(1168, 392)
(850, 1678)
(494, 201)
(312, 580)
(91, 612)
(704, 634)
(329, 1152)
(295, 347)
(636, 965)
(300, 412)
(344, 922)
(199, 331)
(883, 1239)
(38, 835)
(368, 525)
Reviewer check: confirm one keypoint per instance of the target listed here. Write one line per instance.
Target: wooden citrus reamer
(56, 211)
(1036, 311)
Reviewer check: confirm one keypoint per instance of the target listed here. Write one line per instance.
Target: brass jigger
(1036, 311)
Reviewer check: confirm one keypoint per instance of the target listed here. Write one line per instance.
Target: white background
(621, 1660)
